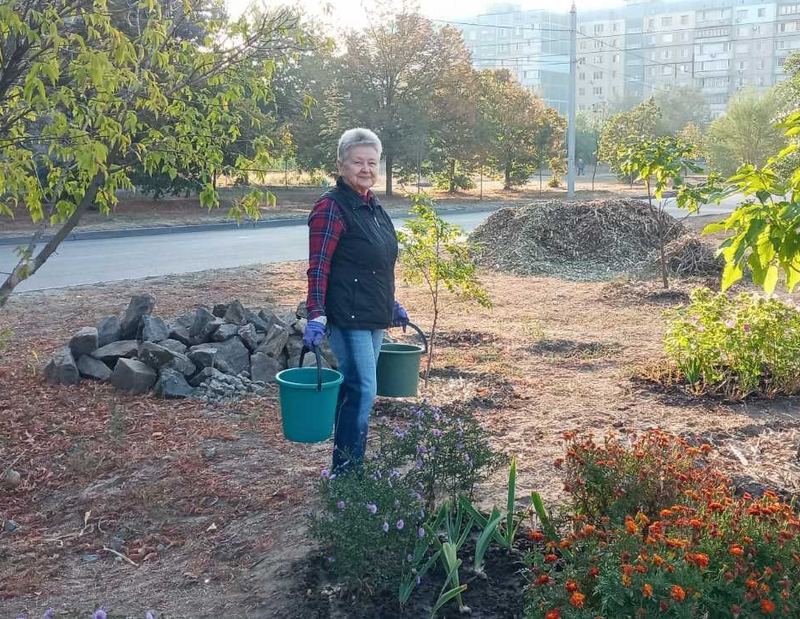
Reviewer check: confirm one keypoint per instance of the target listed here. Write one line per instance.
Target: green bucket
(398, 367)
(308, 398)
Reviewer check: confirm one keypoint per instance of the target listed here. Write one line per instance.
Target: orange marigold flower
(571, 586)
(695, 523)
(700, 559)
(767, 607)
(677, 593)
(577, 599)
(587, 530)
(553, 614)
(736, 550)
(550, 558)
(536, 536)
(564, 543)
(751, 583)
(665, 513)
(626, 580)
(647, 590)
(543, 579)
(630, 526)
(594, 572)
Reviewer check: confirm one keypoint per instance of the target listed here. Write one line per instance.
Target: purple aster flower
(730, 324)
(436, 432)
(373, 509)
(385, 527)
(149, 615)
(400, 524)
(399, 433)
(409, 558)
(397, 502)
(99, 614)
(394, 473)
(746, 328)
(331, 559)
(340, 504)
(418, 464)
(467, 458)
(421, 532)
(49, 613)
(419, 580)
(422, 514)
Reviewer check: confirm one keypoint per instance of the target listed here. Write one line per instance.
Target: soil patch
(465, 338)
(500, 595)
(569, 349)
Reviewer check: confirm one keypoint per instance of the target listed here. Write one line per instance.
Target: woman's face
(360, 167)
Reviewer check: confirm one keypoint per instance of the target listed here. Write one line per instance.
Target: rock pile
(214, 354)
(582, 239)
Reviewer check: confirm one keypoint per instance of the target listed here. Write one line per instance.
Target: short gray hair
(357, 137)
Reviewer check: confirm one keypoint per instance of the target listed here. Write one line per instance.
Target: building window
(597, 75)
(598, 60)
(615, 58)
(583, 44)
(598, 28)
(742, 65)
(762, 12)
(761, 64)
(665, 54)
(741, 14)
(684, 20)
(582, 91)
(651, 23)
(581, 76)
(789, 9)
(666, 38)
(597, 90)
(615, 27)
(666, 70)
(666, 21)
(684, 53)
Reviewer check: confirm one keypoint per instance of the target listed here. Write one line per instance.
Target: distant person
(580, 166)
(352, 255)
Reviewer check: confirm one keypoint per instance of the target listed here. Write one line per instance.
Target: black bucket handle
(421, 333)
(303, 352)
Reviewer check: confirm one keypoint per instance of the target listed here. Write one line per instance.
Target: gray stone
(293, 347)
(231, 354)
(9, 526)
(263, 368)
(180, 327)
(235, 313)
(61, 369)
(172, 384)
(301, 311)
(89, 367)
(219, 310)
(249, 336)
(254, 319)
(275, 341)
(181, 363)
(271, 318)
(201, 318)
(153, 329)
(173, 345)
(206, 374)
(133, 376)
(211, 328)
(113, 351)
(140, 305)
(83, 342)
(310, 361)
(116, 543)
(327, 352)
(108, 330)
(225, 332)
(155, 355)
(299, 326)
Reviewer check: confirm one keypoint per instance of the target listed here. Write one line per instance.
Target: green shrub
(736, 346)
(372, 520)
(703, 553)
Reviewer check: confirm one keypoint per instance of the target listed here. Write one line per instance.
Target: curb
(209, 227)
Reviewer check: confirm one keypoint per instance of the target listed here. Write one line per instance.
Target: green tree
(746, 133)
(389, 73)
(693, 135)
(680, 106)
(765, 229)
(82, 103)
(661, 163)
(521, 132)
(436, 253)
(624, 130)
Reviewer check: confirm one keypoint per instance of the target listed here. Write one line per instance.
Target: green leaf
(771, 279)
(482, 545)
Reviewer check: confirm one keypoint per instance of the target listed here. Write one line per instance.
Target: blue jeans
(357, 352)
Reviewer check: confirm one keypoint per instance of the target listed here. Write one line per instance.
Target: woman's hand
(312, 336)
(399, 316)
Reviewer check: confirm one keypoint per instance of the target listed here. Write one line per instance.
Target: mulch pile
(689, 256)
(583, 240)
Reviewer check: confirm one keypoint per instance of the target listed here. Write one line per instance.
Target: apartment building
(644, 47)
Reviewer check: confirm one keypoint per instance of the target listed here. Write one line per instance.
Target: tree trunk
(507, 173)
(661, 234)
(452, 176)
(540, 181)
(389, 164)
(481, 194)
(594, 172)
(25, 269)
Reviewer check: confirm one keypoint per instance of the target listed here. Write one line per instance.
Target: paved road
(104, 260)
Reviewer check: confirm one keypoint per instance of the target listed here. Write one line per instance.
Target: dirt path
(210, 503)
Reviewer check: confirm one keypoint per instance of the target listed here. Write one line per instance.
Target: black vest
(360, 292)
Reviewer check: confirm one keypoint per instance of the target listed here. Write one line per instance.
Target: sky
(352, 12)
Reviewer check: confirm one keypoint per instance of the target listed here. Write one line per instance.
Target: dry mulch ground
(209, 503)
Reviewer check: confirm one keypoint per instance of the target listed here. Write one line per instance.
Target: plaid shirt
(325, 228)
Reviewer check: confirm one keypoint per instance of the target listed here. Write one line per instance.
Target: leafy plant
(446, 452)
(660, 163)
(764, 236)
(736, 346)
(700, 552)
(436, 253)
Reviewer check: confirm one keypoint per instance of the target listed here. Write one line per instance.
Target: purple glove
(399, 316)
(315, 331)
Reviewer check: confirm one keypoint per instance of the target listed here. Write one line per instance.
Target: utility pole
(573, 69)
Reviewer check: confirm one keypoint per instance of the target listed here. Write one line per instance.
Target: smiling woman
(352, 255)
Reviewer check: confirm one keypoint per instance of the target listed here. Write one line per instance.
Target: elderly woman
(352, 255)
